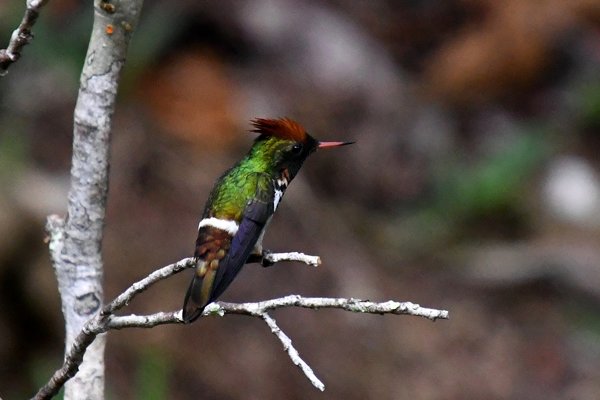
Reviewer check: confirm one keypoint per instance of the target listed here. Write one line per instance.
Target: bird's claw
(265, 261)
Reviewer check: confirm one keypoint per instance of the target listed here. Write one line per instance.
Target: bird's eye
(297, 148)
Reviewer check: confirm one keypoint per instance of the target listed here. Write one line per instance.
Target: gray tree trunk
(75, 245)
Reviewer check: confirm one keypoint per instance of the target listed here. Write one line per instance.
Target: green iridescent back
(251, 177)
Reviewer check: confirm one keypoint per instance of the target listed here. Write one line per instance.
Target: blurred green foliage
(41, 369)
(488, 197)
(13, 151)
(494, 183)
(588, 100)
(152, 375)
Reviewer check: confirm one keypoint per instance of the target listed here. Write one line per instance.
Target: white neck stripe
(226, 225)
(277, 198)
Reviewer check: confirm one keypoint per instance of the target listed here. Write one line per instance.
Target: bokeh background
(474, 186)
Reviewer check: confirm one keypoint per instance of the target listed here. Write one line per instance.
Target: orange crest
(283, 128)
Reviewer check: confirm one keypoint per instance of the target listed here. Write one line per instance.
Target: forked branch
(106, 320)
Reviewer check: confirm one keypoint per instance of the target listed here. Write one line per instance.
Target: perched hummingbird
(241, 205)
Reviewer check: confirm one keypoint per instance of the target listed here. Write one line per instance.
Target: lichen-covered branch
(20, 36)
(354, 305)
(106, 320)
(273, 258)
(75, 241)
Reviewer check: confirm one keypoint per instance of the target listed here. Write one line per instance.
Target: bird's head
(285, 144)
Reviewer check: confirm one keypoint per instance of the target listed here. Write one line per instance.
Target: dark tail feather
(193, 304)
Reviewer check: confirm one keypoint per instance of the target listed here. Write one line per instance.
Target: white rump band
(230, 227)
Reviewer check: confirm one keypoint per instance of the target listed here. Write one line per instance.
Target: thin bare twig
(354, 305)
(315, 261)
(292, 352)
(124, 298)
(20, 36)
(258, 309)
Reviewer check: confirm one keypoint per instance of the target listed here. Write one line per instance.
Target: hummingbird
(241, 205)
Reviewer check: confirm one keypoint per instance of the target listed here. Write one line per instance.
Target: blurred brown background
(474, 186)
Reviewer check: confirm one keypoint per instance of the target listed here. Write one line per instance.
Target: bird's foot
(265, 260)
